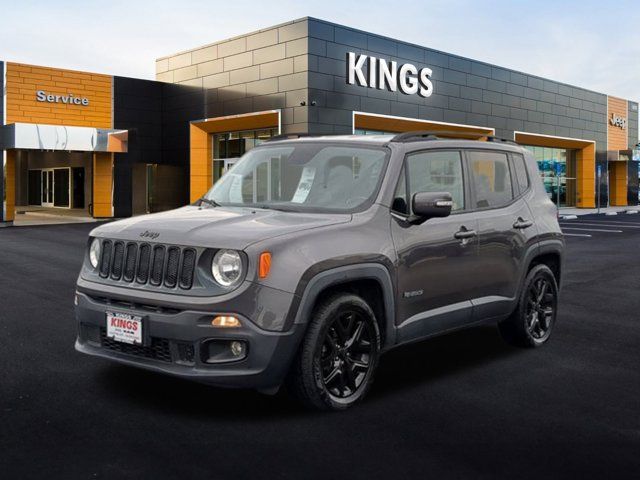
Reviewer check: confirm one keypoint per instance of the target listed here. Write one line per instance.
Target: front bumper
(175, 343)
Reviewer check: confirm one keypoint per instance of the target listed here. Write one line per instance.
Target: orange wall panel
(618, 183)
(617, 138)
(391, 124)
(103, 185)
(201, 166)
(585, 182)
(23, 81)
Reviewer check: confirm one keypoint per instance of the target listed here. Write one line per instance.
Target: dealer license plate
(124, 328)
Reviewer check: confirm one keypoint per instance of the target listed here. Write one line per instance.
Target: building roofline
(235, 37)
(385, 37)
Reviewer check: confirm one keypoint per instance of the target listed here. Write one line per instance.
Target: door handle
(521, 224)
(464, 234)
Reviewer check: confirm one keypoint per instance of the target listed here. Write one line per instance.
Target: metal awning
(33, 136)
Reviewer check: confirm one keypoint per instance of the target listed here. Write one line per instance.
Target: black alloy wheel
(346, 353)
(540, 308)
(339, 354)
(532, 322)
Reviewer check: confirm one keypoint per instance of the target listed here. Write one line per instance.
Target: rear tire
(531, 324)
(338, 357)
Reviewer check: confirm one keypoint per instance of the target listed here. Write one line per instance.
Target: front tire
(336, 363)
(531, 324)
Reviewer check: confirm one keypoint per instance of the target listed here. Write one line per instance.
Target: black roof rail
(443, 134)
(290, 136)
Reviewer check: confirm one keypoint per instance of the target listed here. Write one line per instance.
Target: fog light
(217, 350)
(237, 349)
(226, 321)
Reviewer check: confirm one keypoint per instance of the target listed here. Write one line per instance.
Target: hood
(217, 227)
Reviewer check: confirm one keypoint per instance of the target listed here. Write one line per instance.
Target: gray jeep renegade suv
(313, 256)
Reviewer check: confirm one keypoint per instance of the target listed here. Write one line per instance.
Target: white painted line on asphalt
(577, 235)
(592, 230)
(603, 224)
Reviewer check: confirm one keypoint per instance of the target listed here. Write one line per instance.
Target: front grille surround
(141, 263)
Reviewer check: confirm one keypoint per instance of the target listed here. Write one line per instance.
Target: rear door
(436, 259)
(500, 188)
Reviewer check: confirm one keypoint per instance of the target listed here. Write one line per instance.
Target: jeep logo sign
(69, 99)
(378, 73)
(618, 121)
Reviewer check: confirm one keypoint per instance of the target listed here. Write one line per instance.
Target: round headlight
(226, 267)
(94, 253)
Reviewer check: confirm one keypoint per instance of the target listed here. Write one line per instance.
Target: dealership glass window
(229, 146)
(360, 131)
(557, 169)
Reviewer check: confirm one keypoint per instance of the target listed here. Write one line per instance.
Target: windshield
(306, 176)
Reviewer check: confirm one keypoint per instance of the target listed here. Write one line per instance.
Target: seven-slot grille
(144, 263)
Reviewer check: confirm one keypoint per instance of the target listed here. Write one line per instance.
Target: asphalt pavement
(464, 405)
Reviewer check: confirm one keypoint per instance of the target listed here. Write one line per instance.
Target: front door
(61, 190)
(35, 187)
(55, 187)
(78, 187)
(47, 188)
(437, 260)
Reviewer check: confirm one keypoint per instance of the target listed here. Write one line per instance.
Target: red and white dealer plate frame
(125, 328)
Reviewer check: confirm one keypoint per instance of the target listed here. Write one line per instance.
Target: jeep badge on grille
(148, 234)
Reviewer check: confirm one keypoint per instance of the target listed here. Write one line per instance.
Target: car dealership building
(111, 146)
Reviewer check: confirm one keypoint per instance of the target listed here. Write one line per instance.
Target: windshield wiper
(279, 208)
(213, 203)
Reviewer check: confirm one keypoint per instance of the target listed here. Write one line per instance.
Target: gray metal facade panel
(465, 90)
(260, 71)
(305, 61)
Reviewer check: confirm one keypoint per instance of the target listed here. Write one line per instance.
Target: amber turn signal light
(226, 321)
(264, 265)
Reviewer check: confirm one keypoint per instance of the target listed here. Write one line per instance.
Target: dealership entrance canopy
(116, 146)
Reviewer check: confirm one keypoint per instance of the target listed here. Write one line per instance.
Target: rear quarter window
(521, 172)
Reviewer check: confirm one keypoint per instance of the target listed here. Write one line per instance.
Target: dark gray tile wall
(137, 108)
(465, 91)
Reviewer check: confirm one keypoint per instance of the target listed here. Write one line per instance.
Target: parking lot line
(592, 230)
(577, 235)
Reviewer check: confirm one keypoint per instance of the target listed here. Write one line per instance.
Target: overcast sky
(593, 44)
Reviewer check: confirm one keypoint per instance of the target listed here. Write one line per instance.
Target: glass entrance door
(47, 188)
(55, 187)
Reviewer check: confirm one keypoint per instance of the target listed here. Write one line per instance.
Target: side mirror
(428, 205)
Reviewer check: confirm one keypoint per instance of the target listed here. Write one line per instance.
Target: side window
(521, 172)
(491, 180)
(436, 171)
(400, 202)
